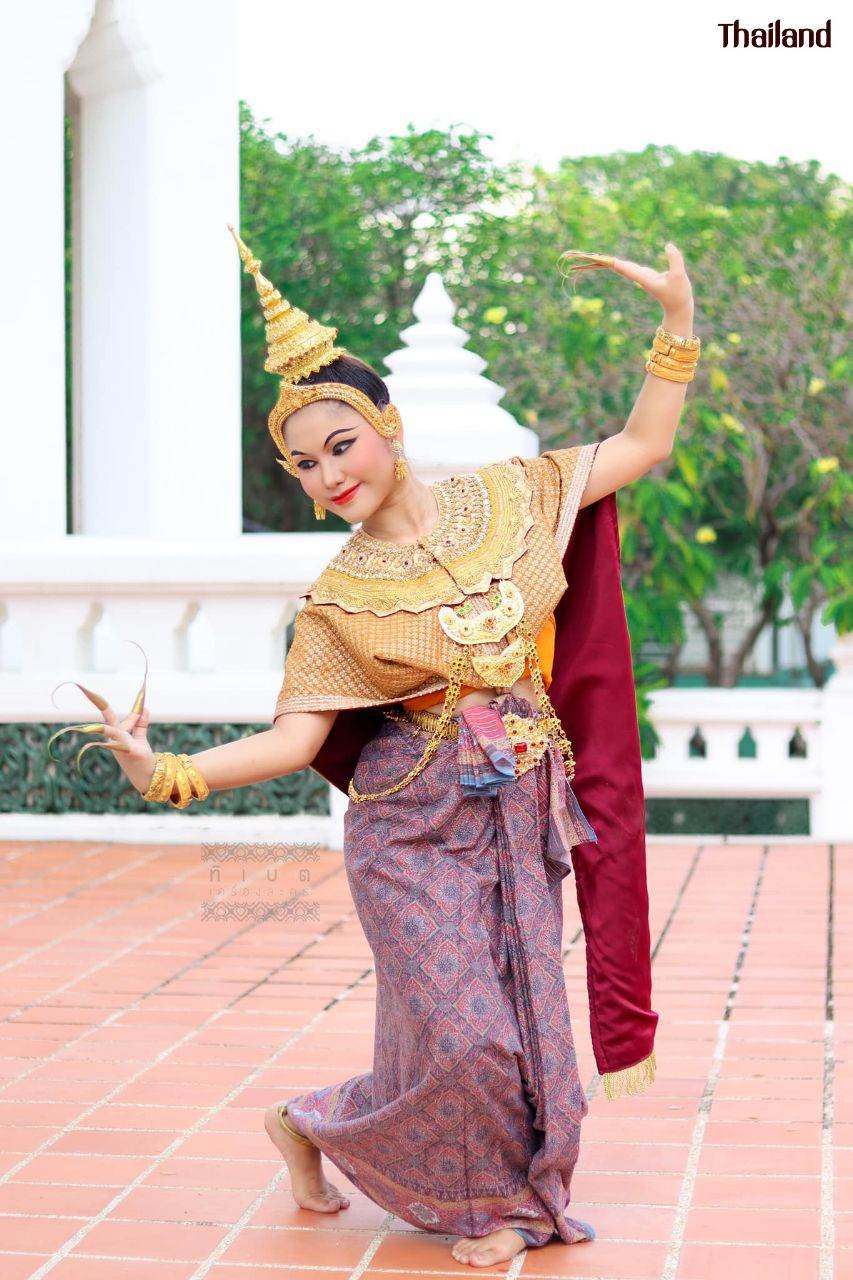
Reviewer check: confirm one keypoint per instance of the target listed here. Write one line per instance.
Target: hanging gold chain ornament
(458, 664)
(550, 722)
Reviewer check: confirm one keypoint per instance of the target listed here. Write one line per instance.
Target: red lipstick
(347, 493)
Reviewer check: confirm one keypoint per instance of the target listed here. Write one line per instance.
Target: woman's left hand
(671, 288)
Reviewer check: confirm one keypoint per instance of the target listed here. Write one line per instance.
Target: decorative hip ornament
(529, 741)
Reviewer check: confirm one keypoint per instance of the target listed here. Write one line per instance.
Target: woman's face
(335, 449)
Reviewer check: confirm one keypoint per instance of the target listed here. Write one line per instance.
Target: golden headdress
(297, 346)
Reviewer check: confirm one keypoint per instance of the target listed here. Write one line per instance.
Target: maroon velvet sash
(593, 694)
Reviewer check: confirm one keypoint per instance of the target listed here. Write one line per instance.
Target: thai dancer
(461, 669)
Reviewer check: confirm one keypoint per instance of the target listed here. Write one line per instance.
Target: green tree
(341, 236)
(766, 247)
(751, 491)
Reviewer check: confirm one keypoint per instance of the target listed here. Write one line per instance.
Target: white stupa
(452, 420)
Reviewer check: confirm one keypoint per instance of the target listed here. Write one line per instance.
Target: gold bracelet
(673, 357)
(156, 777)
(679, 354)
(163, 778)
(200, 788)
(668, 362)
(677, 340)
(172, 771)
(669, 375)
(182, 782)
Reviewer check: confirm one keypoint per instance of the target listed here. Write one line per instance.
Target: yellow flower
(586, 306)
(816, 385)
(531, 417)
(494, 315)
(706, 534)
(823, 465)
(746, 278)
(734, 338)
(719, 380)
(730, 422)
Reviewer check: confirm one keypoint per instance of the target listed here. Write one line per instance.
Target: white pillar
(157, 433)
(37, 41)
(832, 810)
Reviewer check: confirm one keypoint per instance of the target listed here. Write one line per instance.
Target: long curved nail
(97, 727)
(139, 700)
(109, 746)
(100, 703)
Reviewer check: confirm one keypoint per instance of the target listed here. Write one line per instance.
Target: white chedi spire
(452, 421)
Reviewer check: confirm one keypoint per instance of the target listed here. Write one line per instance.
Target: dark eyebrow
(293, 452)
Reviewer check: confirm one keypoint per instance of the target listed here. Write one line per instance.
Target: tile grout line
(111, 1018)
(68, 863)
(152, 935)
(69, 896)
(112, 957)
(342, 1272)
(277, 1178)
(827, 1224)
(68, 1245)
(592, 1088)
(688, 1184)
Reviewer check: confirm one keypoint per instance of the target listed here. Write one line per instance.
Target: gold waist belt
(528, 735)
(426, 720)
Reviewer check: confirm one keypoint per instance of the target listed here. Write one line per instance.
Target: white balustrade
(212, 618)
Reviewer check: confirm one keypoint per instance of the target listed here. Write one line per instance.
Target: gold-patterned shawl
(368, 633)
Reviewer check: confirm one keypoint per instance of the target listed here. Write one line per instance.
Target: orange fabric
(544, 647)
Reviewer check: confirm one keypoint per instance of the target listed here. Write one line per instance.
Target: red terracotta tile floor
(156, 999)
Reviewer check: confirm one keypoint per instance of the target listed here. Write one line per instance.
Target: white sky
(552, 79)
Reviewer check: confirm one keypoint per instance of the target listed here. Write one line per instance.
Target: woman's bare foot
(483, 1251)
(310, 1187)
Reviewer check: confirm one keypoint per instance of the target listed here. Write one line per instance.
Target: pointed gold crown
(297, 346)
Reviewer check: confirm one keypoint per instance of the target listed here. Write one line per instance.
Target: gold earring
(401, 467)
(319, 512)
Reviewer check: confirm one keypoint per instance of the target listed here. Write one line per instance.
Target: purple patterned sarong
(470, 1119)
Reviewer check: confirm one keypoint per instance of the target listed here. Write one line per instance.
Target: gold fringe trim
(634, 1079)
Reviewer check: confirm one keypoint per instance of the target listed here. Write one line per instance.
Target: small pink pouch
(486, 756)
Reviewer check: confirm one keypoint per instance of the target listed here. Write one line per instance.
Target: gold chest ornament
(499, 670)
